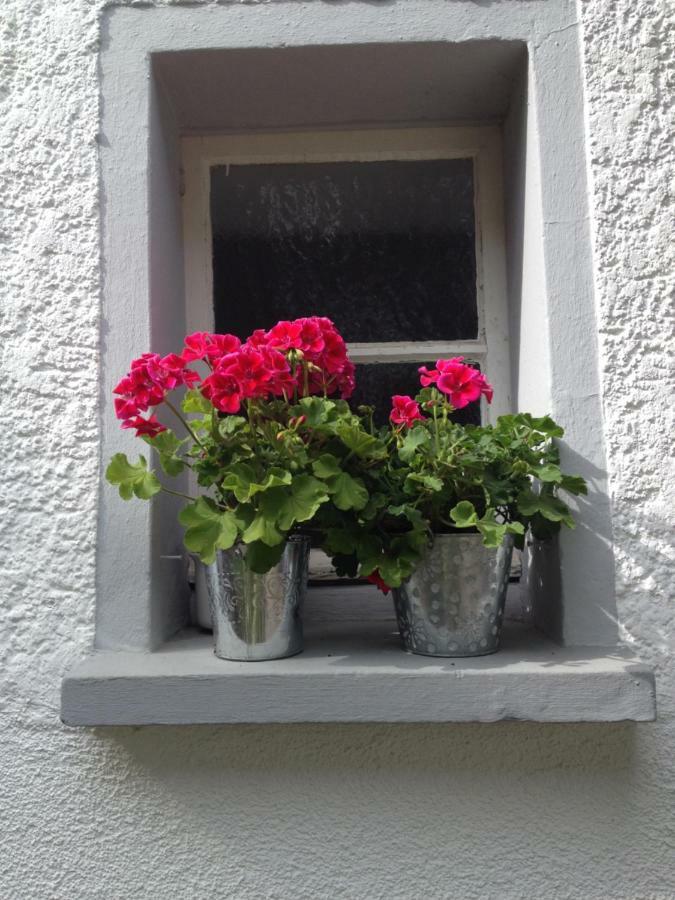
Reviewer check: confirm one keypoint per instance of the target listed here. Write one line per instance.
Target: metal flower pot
(258, 617)
(453, 604)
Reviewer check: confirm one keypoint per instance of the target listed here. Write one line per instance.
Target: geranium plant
(441, 476)
(259, 425)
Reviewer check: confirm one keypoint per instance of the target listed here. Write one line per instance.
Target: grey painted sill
(353, 670)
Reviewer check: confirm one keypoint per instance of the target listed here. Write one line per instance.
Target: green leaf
(413, 515)
(500, 490)
(262, 529)
(545, 425)
(430, 482)
(493, 532)
(360, 442)
(339, 541)
(392, 572)
(464, 515)
(574, 484)
(548, 506)
(195, 402)
(240, 479)
(133, 480)
(285, 507)
(326, 466)
(376, 502)
(369, 545)
(166, 444)
(229, 425)
(316, 409)
(347, 492)
(261, 557)
(208, 528)
(275, 478)
(548, 473)
(415, 438)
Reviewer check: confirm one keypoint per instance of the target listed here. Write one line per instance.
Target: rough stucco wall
(506, 811)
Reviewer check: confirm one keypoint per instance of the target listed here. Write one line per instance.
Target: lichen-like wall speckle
(507, 811)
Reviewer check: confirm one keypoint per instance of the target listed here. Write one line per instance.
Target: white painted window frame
(480, 143)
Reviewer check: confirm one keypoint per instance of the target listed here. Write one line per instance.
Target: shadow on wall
(493, 749)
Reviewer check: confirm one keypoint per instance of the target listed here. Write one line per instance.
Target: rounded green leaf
(464, 515)
(208, 528)
(132, 479)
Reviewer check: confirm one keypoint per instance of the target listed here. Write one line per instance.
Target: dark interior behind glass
(385, 249)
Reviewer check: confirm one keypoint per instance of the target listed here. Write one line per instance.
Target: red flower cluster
(305, 356)
(146, 385)
(247, 374)
(463, 384)
(322, 347)
(405, 411)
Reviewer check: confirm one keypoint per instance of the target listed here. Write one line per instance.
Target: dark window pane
(376, 382)
(385, 249)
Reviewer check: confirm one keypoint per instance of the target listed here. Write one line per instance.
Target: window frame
(480, 143)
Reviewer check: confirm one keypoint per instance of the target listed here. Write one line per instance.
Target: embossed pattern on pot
(453, 604)
(256, 616)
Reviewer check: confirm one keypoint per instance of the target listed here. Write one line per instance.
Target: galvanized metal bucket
(453, 604)
(257, 617)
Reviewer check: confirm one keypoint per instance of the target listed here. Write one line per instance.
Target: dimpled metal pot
(257, 617)
(453, 604)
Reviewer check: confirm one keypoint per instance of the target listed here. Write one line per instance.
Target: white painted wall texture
(506, 811)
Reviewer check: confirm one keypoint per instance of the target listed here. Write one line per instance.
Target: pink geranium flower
(334, 354)
(286, 335)
(311, 335)
(462, 384)
(224, 391)
(250, 369)
(151, 377)
(280, 381)
(405, 411)
(149, 427)
(427, 376)
(204, 345)
(258, 339)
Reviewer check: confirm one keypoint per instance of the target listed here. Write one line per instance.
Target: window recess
(165, 73)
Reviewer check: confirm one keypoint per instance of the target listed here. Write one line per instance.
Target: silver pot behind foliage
(257, 617)
(453, 604)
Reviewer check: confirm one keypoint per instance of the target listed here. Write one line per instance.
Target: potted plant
(447, 508)
(266, 440)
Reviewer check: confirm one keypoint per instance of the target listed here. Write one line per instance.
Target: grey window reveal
(386, 249)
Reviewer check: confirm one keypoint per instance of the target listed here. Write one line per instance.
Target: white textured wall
(507, 811)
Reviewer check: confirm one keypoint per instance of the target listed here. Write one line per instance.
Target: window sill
(353, 670)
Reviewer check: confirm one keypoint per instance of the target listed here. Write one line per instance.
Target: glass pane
(376, 382)
(385, 249)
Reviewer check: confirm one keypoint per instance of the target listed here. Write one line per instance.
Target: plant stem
(436, 436)
(185, 422)
(178, 494)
